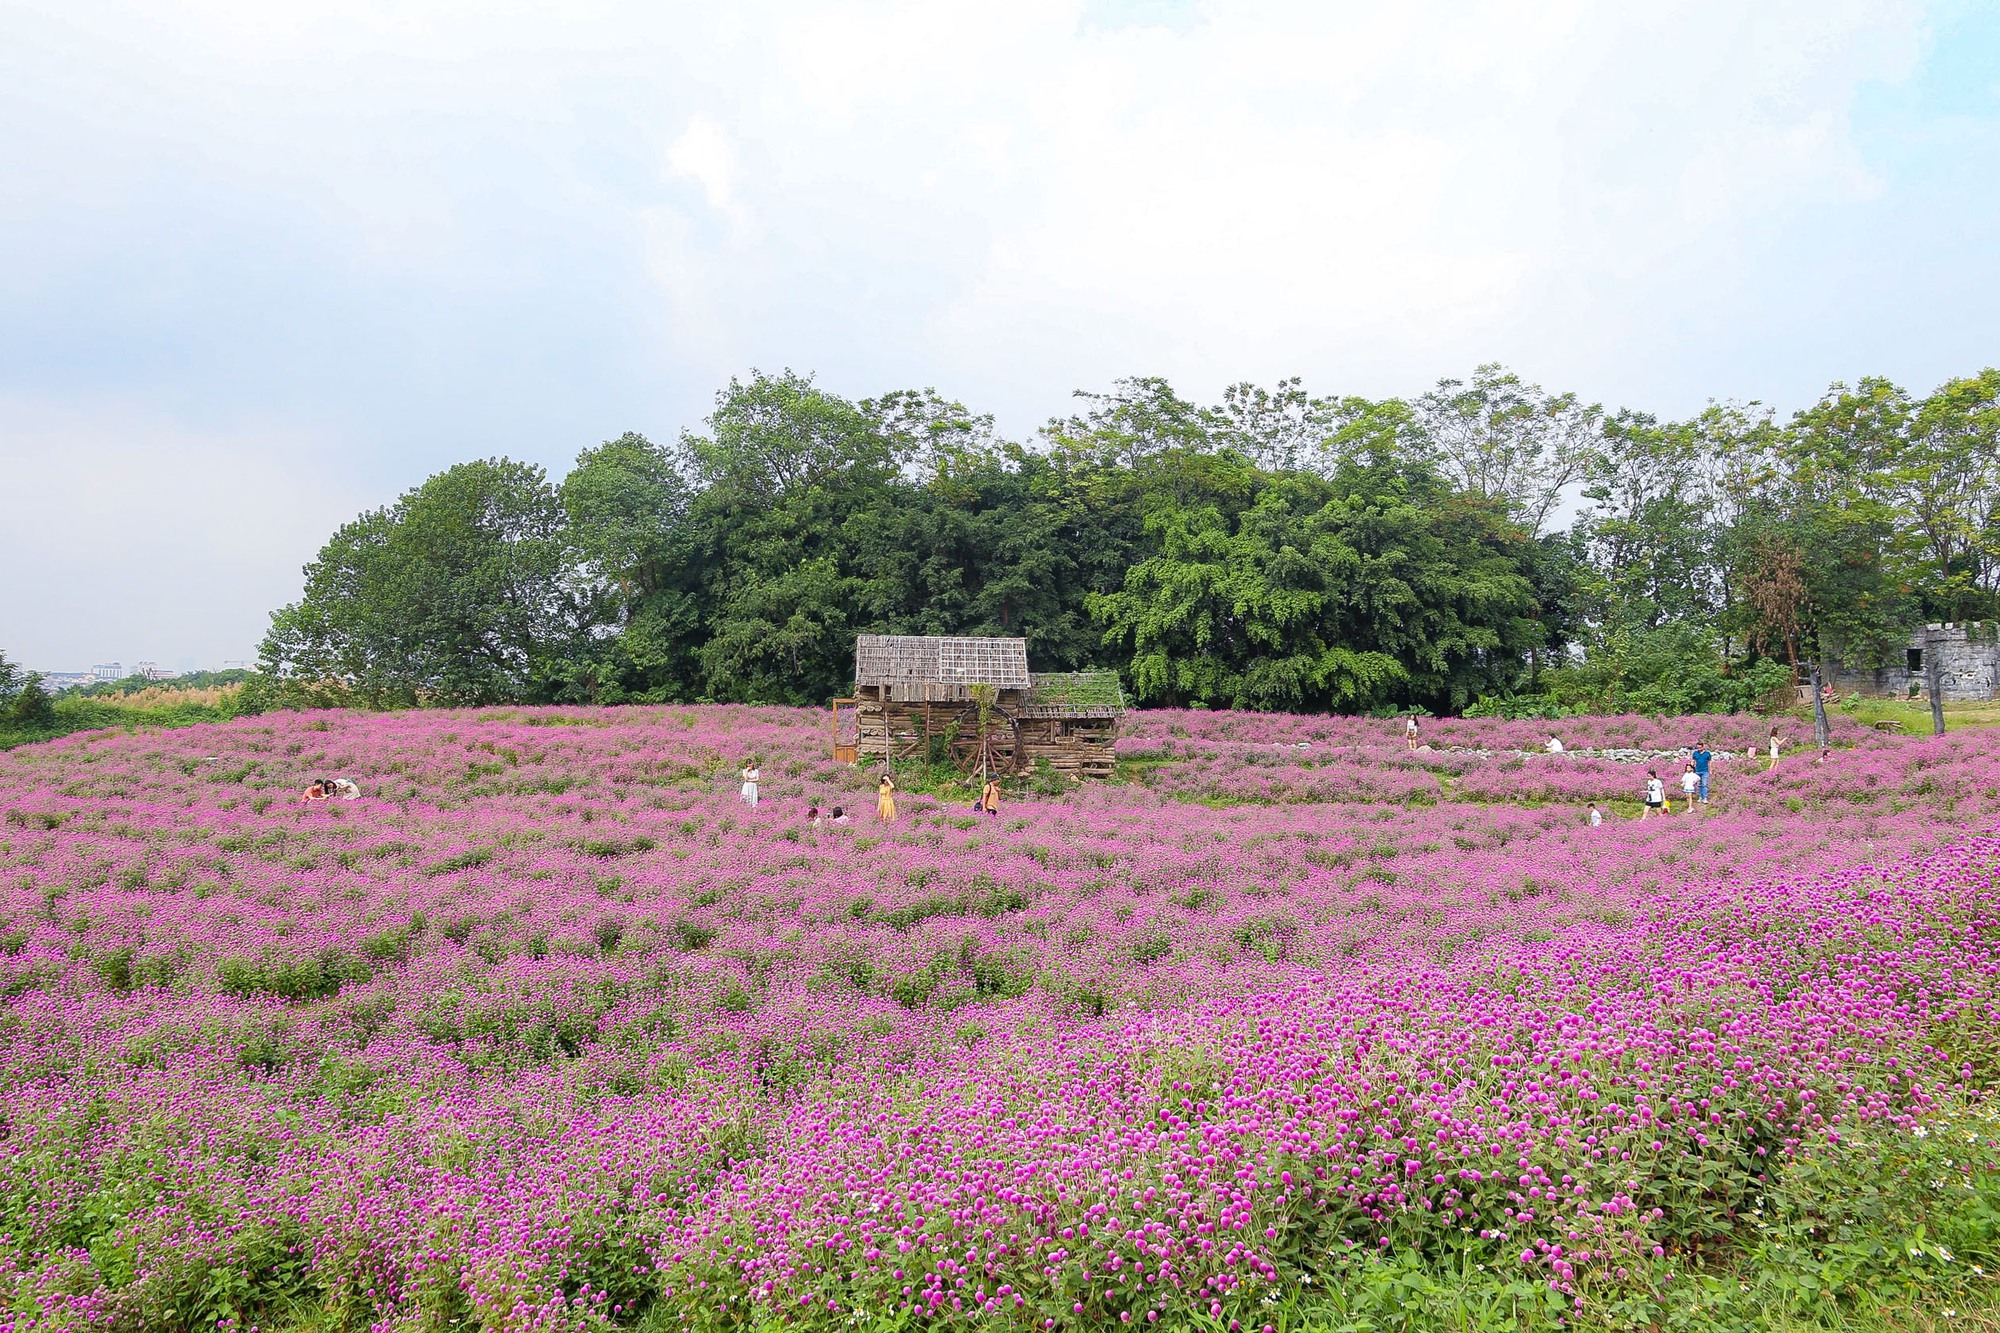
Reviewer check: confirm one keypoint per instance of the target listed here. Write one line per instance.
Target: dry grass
(166, 696)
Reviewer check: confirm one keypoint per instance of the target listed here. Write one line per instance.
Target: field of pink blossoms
(548, 1030)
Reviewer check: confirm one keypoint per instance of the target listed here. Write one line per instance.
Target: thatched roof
(1078, 691)
(899, 660)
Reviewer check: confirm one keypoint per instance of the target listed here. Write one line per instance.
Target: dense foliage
(31, 714)
(1274, 551)
(1297, 1029)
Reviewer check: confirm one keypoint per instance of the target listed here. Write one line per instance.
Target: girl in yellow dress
(885, 799)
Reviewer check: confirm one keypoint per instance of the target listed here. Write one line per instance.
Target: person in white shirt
(751, 776)
(1690, 784)
(1656, 795)
(1596, 815)
(1555, 746)
(345, 789)
(1410, 731)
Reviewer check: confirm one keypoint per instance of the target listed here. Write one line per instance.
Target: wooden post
(1821, 731)
(1934, 678)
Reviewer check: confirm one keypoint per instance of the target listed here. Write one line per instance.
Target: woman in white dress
(751, 776)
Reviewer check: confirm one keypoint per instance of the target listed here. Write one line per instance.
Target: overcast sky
(264, 265)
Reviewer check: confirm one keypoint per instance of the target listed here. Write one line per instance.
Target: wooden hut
(976, 698)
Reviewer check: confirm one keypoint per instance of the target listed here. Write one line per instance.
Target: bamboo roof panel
(901, 660)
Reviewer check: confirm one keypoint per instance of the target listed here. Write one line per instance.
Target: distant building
(104, 671)
(1968, 665)
(66, 680)
(153, 671)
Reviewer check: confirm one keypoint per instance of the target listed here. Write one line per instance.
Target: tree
(1777, 595)
(931, 437)
(627, 504)
(1943, 475)
(790, 476)
(32, 709)
(1647, 529)
(462, 592)
(785, 638)
(1140, 418)
(1833, 506)
(1509, 441)
(1371, 588)
(1281, 430)
(24, 704)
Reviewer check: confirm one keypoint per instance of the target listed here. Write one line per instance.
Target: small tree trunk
(1934, 679)
(1822, 733)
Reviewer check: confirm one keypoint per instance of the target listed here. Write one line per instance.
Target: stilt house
(975, 698)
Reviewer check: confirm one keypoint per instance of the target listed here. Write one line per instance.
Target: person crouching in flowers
(1656, 795)
(318, 791)
(885, 799)
(752, 775)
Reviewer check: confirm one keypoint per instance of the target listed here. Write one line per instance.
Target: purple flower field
(549, 1030)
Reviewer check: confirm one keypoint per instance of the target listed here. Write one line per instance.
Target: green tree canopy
(1277, 549)
(462, 592)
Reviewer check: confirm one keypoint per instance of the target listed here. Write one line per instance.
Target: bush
(1519, 707)
(1670, 670)
(31, 708)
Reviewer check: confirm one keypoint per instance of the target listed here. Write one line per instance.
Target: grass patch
(1912, 717)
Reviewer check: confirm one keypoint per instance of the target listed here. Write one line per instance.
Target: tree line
(1486, 544)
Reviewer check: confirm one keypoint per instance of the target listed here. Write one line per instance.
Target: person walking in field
(1690, 784)
(752, 775)
(1774, 747)
(1596, 815)
(989, 798)
(1410, 731)
(1656, 795)
(885, 799)
(1701, 759)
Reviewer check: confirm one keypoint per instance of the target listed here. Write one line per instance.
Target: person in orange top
(989, 797)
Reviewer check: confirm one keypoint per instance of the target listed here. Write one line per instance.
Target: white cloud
(704, 155)
(429, 231)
